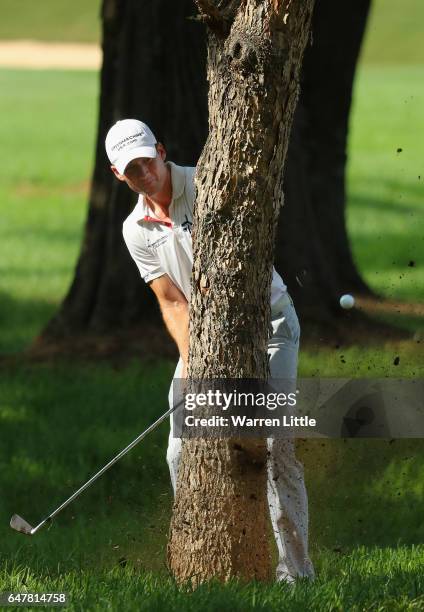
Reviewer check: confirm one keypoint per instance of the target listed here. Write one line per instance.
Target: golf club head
(19, 524)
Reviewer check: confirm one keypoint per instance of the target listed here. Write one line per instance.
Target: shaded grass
(365, 492)
(62, 422)
(368, 578)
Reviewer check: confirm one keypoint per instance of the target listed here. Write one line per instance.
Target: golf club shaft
(107, 466)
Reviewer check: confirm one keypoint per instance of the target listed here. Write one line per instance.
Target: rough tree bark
(219, 526)
(154, 68)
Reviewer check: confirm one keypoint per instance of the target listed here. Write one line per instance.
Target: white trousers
(287, 498)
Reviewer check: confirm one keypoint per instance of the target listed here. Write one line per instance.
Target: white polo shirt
(159, 247)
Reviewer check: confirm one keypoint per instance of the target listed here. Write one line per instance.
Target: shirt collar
(178, 184)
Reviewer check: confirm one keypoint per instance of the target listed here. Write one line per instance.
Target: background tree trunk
(219, 527)
(313, 249)
(153, 69)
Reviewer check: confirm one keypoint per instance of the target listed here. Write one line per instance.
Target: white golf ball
(347, 301)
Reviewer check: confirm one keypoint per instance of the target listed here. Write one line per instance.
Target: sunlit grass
(376, 362)
(386, 180)
(43, 193)
(51, 20)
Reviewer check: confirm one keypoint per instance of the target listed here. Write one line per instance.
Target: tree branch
(217, 15)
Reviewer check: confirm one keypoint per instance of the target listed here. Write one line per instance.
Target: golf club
(21, 525)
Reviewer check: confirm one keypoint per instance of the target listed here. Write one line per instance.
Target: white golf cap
(127, 140)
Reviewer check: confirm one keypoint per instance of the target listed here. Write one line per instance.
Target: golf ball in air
(347, 301)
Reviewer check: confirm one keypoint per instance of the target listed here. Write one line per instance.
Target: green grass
(51, 20)
(374, 361)
(394, 33)
(386, 187)
(43, 193)
(367, 579)
(62, 421)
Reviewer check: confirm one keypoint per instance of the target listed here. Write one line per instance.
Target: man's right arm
(174, 308)
(172, 301)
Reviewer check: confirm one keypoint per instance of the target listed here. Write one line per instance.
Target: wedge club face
(19, 524)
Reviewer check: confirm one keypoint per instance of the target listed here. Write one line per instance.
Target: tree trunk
(220, 521)
(149, 72)
(338, 32)
(313, 251)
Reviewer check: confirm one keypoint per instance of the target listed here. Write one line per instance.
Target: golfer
(158, 236)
